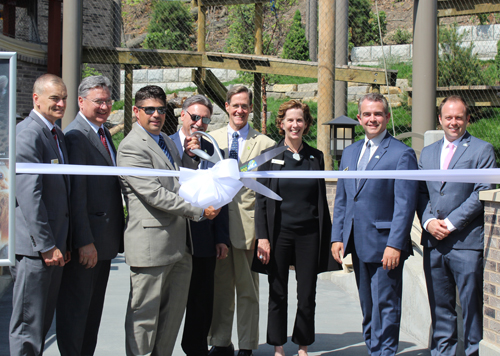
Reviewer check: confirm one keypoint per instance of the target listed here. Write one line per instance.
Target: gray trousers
(157, 300)
(34, 299)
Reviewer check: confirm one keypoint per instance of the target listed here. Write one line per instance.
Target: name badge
(54, 161)
(277, 161)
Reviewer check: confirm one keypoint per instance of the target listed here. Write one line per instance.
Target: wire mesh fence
(273, 45)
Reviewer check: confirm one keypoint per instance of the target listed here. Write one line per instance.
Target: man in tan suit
(157, 236)
(241, 142)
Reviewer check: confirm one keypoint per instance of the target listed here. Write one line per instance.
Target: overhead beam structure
(452, 8)
(243, 62)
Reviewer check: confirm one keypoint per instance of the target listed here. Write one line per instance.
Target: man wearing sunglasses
(210, 237)
(96, 225)
(157, 236)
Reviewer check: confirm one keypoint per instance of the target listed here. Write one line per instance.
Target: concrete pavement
(338, 321)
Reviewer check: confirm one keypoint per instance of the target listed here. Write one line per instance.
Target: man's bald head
(49, 97)
(42, 81)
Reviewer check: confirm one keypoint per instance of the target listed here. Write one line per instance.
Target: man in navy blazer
(210, 238)
(372, 220)
(43, 234)
(453, 231)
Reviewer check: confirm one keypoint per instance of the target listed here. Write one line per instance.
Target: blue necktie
(163, 146)
(363, 162)
(233, 153)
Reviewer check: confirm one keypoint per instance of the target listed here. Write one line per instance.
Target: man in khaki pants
(241, 142)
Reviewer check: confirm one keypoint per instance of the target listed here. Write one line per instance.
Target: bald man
(42, 219)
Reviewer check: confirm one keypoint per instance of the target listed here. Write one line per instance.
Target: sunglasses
(150, 110)
(195, 118)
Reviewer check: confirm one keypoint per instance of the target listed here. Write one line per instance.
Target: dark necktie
(163, 146)
(54, 133)
(363, 162)
(103, 139)
(233, 153)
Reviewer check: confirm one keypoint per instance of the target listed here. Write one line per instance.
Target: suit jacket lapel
(381, 150)
(250, 142)
(47, 134)
(153, 146)
(462, 146)
(95, 139)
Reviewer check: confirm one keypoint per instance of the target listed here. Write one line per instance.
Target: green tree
(457, 64)
(171, 26)
(296, 45)
(241, 29)
(363, 24)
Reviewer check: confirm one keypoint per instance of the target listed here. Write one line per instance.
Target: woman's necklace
(295, 155)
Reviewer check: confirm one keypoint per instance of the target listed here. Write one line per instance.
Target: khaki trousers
(157, 300)
(234, 273)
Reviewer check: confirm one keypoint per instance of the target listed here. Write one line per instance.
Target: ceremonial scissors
(247, 166)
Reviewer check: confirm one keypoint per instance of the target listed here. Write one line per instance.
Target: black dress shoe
(222, 350)
(245, 353)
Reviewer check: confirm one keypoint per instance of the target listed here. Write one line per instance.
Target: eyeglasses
(150, 110)
(195, 118)
(100, 103)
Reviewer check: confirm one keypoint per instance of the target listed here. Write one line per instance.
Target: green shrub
(88, 71)
(171, 27)
(402, 36)
(457, 64)
(296, 45)
(363, 24)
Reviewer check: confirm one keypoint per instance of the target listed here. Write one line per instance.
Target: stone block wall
(490, 345)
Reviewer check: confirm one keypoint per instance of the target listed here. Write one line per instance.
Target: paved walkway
(338, 321)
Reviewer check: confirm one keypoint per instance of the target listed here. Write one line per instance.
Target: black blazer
(265, 210)
(207, 233)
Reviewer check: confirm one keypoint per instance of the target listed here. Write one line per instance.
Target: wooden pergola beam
(452, 8)
(243, 62)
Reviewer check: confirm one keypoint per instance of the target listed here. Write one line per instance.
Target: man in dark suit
(157, 235)
(210, 238)
(372, 220)
(97, 222)
(42, 219)
(452, 217)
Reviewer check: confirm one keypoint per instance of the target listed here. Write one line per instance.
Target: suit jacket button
(67, 215)
(437, 211)
(355, 199)
(442, 193)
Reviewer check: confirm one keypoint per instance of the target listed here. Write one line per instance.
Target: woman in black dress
(295, 231)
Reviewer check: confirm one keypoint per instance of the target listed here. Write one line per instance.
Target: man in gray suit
(97, 222)
(42, 219)
(452, 218)
(157, 237)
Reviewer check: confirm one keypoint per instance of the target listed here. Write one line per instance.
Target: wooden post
(127, 110)
(54, 38)
(326, 76)
(72, 58)
(257, 77)
(202, 17)
(423, 111)
(259, 14)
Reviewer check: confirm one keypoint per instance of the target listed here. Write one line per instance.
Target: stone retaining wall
(490, 345)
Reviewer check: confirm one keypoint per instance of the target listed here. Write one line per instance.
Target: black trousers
(303, 252)
(199, 307)
(79, 306)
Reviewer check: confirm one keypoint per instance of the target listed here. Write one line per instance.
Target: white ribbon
(218, 185)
